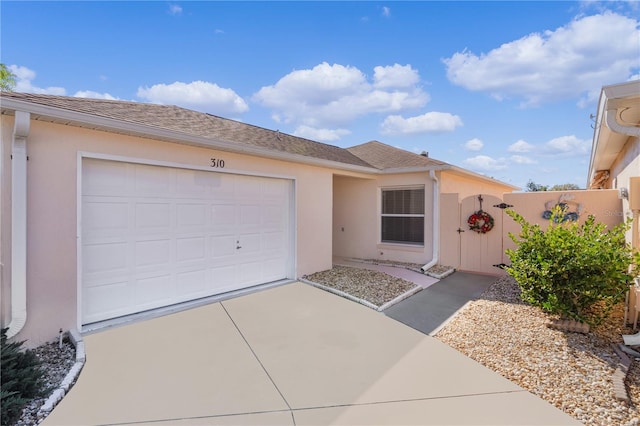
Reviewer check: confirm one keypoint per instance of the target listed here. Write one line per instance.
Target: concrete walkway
(290, 355)
(430, 308)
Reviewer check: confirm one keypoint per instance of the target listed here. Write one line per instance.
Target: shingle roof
(382, 156)
(193, 123)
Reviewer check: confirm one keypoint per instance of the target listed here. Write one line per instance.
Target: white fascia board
(622, 90)
(596, 137)
(152, 132)
(419, 169)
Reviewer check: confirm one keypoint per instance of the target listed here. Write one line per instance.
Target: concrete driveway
(290, 355)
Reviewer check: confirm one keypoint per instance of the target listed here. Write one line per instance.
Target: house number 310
(217, 163)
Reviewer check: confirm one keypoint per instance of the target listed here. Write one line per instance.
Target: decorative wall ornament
(570, 210)
(480, 221)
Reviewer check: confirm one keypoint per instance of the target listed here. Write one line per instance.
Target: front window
(403, 216)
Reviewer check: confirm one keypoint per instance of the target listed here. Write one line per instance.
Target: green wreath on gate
(480, 222)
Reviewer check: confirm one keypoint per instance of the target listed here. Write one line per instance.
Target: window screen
(403, 216)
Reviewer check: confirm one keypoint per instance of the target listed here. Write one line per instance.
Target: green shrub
(576, 271)
(21, 379)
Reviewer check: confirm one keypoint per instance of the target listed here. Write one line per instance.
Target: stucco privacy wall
(356, 218)
(604, 204)
(52, 178)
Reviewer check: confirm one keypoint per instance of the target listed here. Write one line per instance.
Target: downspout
(19, 223)
(436, 222)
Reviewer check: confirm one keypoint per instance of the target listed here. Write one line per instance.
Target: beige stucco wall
(604, 204)
(466, 186)
(356, 217)
(52, 212)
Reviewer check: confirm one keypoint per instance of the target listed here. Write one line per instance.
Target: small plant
(21, 378)
(578, 271)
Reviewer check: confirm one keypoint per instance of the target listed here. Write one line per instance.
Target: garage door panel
(194, 184)
(153, 292)
(191, 249)
(250, 273)
(153, 253)
(108, 301)
(223, 246)
(153, 217)
(223, 187)
(154, 236)
(105, 178)
(250, 244)
(105, 257)
(106, 217)
(191, 215)
(223, 218)
(273, 242)
(247, 188)
(193, 284)
(153, 181)
(273, 268)
(223, 278)
(250, 215)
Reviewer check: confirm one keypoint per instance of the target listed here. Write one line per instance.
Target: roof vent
(424, 154)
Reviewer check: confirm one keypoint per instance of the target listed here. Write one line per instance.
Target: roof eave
(418, 169)
(475, 175)
(152, 132)
(602, 134)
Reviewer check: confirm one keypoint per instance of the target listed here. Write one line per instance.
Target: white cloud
(520, 159)
(95, 95)
(521, 146)
(572, 61)
(397, 76)
(566, 146)
(24, 78)
(386, 11)
(329, 96)
(485, 163)
(197, 95)
(325, 135)
(474, 144)
(431, 122)
(174, 9)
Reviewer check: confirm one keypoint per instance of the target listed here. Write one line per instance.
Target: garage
(154, 236)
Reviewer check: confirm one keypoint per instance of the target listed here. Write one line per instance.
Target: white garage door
(154, 236)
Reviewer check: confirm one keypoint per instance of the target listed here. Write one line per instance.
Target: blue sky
(505, 89)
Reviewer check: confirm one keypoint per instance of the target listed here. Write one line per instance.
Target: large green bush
(21, 376)
(578, 271)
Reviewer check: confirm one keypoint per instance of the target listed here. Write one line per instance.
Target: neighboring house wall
(52, 228)
(626, 166)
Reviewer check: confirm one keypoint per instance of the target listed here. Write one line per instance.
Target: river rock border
(71, 377)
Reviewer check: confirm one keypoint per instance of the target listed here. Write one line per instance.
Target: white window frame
(407, 215)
